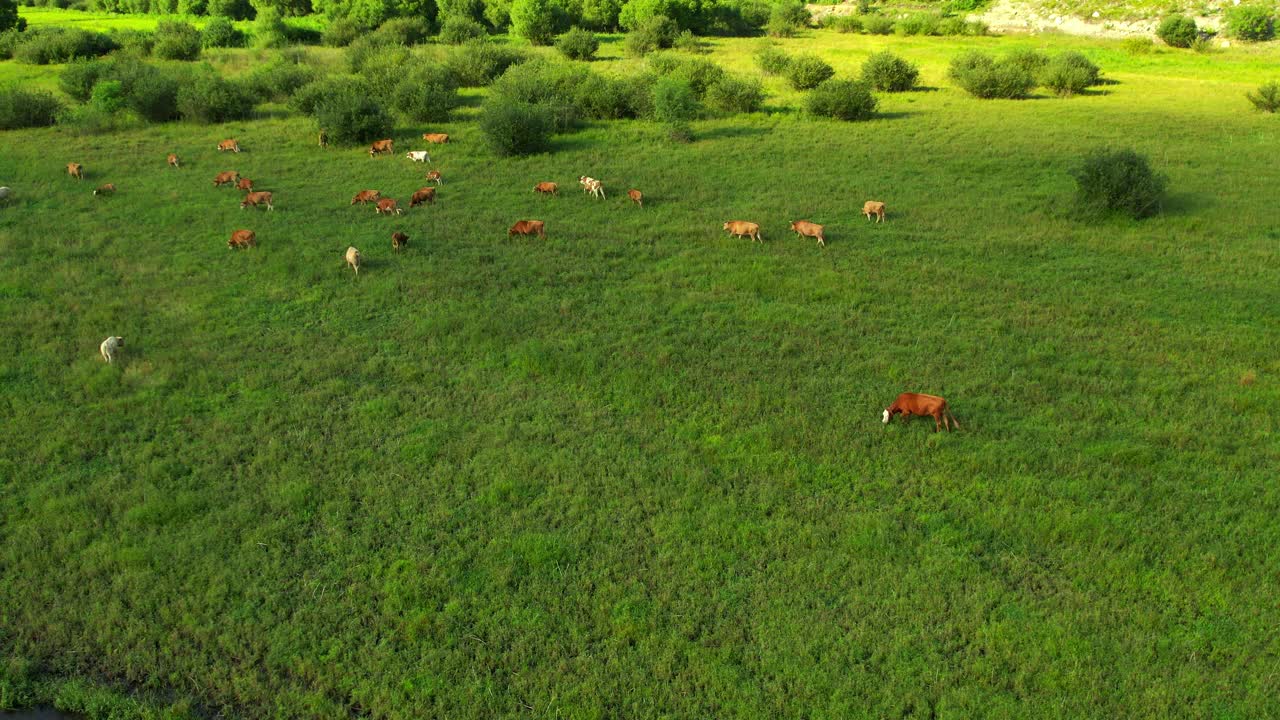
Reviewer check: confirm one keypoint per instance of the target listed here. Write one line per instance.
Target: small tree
(1267, 99)
(1118, 181)
(427, 93)
(220, 33)
(9, 17)
(653, 33)
(533, 20)
(890, 73)
(1177, 31)
(269, 30)
(578, 44)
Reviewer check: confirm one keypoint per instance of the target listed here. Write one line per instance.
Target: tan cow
(353, 259)
(437, 138)
(873, 207)
(105, 189)
(424, 195)
(231, 145)
(804, 228)
(636, 196)
(242, 239)
(75, 170)
(388, 206)
(435, 177)
(256, 199)
(399, 240)
(366, 196)
(742, 228)
(173, 160)
(381, 146)
(245, 185)
(528, 227)
(225, 178)
(547, 188)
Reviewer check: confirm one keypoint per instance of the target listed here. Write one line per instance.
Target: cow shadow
(896, 115)
(734, 131)
(1184, 204)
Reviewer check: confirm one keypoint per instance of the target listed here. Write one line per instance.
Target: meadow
(637, 469)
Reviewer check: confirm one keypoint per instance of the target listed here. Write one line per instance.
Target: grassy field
(637, 469)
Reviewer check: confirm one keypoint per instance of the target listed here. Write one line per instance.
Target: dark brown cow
(804, 228)
(323, 137)
(873, 207)
(105, 189)
(231, 145)
(245, 185)
(388, 206)
(742, 228)
(256, 199)
(366, 196)
(434, 176)
(528, 227)
(424, 195)
(225, 178)
(75, 170)
(547, 188)
(381, 146)
(173, 160)
(909, 404)
(399, 240)
(437, 138)
(636, 196)
(242, 239)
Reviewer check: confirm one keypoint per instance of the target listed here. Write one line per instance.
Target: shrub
(655, 33)
(918, 24)
(479, 62)
(1203, 45)
(278, 80)
(406, 31)
(1079, 66)
(269, 30)
(877, 25)
(1177, 31)
(983, 77)
(9, 41)
(138, 42)
(22, 108)
(1138, 45)
(976, 28)
(699, 73)
(511, 127)
(1251, 22)
(1267, 99)
(58, 45)
(427, 93)
(1064, 79)
(675, 104)
(606, 98)
(177, 41)
(1118, 181)
(234, 9)
(806, 72)
(308, 97)
(953, 26)
(736, 95)
(533, 20)
(351, 116)
(847, 24)
(457, 30)
(108, 97)
(578, 44)
(842, 100)
(890, 73)
(220, 33)
(547, 84)
(79, 77)
(9, 19)
(786, 18)
(772, 60)
(1032, 61)
(150, 91)
(686, 41)
(342, 32)
(208, 98)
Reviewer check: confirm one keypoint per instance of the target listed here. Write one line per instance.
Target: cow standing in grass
(528, 227)
(742, 228)
(381, 146)
(229, 145)
(873, 207)
(804, 228)
(909, 404)
(366, 196)
(172, 160)
(353, 259)
(75, 170)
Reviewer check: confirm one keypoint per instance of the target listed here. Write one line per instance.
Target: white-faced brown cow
(909, 404)
(381, 146)
(435, 177)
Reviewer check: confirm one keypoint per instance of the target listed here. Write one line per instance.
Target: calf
(224, 178)
(353, 259)
(242, 239)
(434, 176)
(742, 228)
(528, 227)
(584, 181)
(418, 156)
(231, 145)
(109, 347)
(105, 189)
(366, 196)
(424, 195)
(547, 188)
(381, 146)
(257, 198)
(75, 170)
(245, 185)
(399, 240)
(872, 207)
(437, 138)
(636, 196)
(388, 206)
(804, 228)
(917, 404)
(595, 188)
(173, 160)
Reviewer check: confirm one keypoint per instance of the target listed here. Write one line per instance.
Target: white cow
(418, 156)
(353, 259)
(109, 347)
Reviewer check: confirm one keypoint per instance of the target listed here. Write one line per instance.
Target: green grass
(638, 469)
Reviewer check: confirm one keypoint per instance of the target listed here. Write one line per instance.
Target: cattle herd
(906, 404)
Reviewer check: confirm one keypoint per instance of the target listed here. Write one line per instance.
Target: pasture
(637, 469)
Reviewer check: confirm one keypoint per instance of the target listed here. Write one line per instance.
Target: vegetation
(534, 20)
(459, 30)
(9, 19)
(806, 71)
(220, 33)
(985, 77)
(478, 62)
(842, 100)
(1178, 31)
(209, 98)
(351, 116)
(1253, 23)
(1118, 181)
(654, 33)
(511, 127)
(177, 41)
(578, 44)
(735, 94)
(23, 108)
(889, 73)
(772, 60)
(427, 93)
(1267, 98)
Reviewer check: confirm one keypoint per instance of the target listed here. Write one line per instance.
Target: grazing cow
(527, 227)
(636, 196)
(366, 196)
(437, 138)
(75, 170)
(547, 188)
(225, 178)
(434, 176)
(585, 181)
(418, 156)
(242, 239)
(173, 160)
(353, 259)
(916, 404)
(245, 185)
(105, 189)
(804, 228)
(381, 146)
(872, 207)
(256, 199)
(109, 347)
(424, 195)
(595, 188)
(742, 228)
(388, 206)
(399, 240)
(231, 145)
(323, 137)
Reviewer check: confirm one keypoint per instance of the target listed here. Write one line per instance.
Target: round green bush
(1064, 79)
(1118, 181)
(51, 45)
(511, 127)
(208, 98)
(307, 98)
(80, 75)
(786, 18)
(406, 31)
(877, 25)
(953, 26)
(1267, 98)
(269, 30)
(220, 33)
(842, 100)
(137, 42)
(735, 95)
(278, 80)
(609, 98)
(342, 32)
(772, 60)
(151, 91)
(479, 62)
(981, 76)
(889, 73)
(806, 72)
(234, 9)
(918, 24)
(1253, 23)
(457, 30)
(654, 33)
(533, 20)
(1079, 66)
(1177, 31)
(578, 44)
(177, 41)
(351, 116)
(427, 93)
(1030, 60)
(674, 101)
(23, 108)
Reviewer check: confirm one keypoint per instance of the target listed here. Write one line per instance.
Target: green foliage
(406, 31)
(1254, 23)
(478, 62)
(849, 24)
(269, 30)
(342, 32)
(1033, 61)
(1138, 45)
(807, 71)
(786, 18)
(654, 33)
(533, 20)
(735, 94)
(890, 73)
(772, 60)
(1070, 72)
(1267, 97)
(457, 30)
(982, 76)
(48, 45)
(307, 98)
(233, 9)
(578, 44)
(511, 127)
(79, 77)
(919, 24)
(552, 85)
(352, 116)
(877, 25)
(843, 100)
(278, 80)
(699, 73)
(9, 41)
(152, 92)
(1178, 31)
(208, 98)
(218, 32)
(674, 101)
(177, 41)
(427, 93)
(23, 108)
(1118, 181)
(9, 19)
(601, 97)
(108, 96)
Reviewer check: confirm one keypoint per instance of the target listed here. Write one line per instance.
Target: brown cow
(388, 206)
(242, 239)
(366, 196)
(873, 207)
(173, 160)
(256, 199)
(547, 188)
(434, 176)
(636, 196)
(105, 189)
(381, 146)
(909, 404)
(437, 138)
(804, 228)
(399, 240)
(742, 228)
(528, 227)
(231, 145)
(424, 195)
(245, 185)
(224, 178)
(75, 170)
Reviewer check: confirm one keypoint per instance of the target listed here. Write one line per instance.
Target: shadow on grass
(896, 115)
(1184, 204)
(730, 132)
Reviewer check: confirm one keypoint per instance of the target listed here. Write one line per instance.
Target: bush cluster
(342, 32)
(654, 33)
(278, 80)
(877, 25)
(511, 127)
(1069, 73)
(427, 93)
(177, 41)
(478, 62)
(456, 30)
(786, 18)
(220, 33)
(350, 115)
(1253, 23)
(1267, 98)
(578, 44)
(208, 98)
(149, 91)
(772, 60)
(308, 97)
(735, 95)
(49, 45)
(982, 76)
(889, 73)
(1177, 31)
(842, 100)
(1118, 181)
(23, 108)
